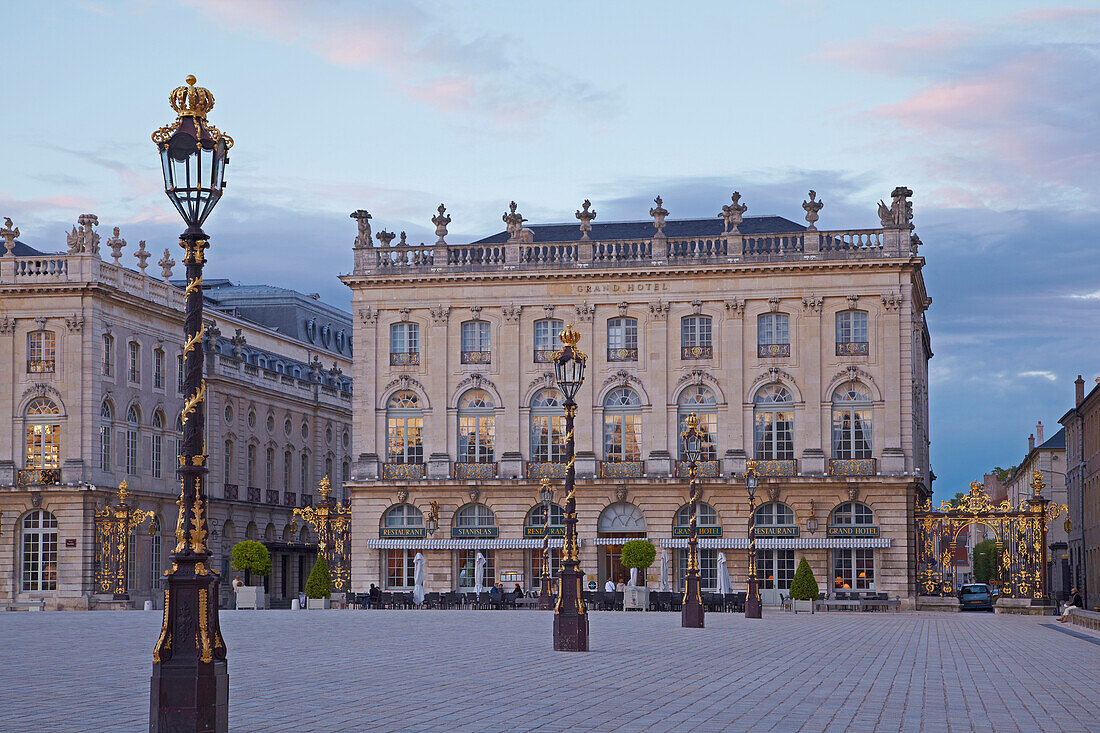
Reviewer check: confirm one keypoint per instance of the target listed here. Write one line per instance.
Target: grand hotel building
(801, 348)
(90, 353)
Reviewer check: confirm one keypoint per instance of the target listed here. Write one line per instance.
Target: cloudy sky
(987, 110)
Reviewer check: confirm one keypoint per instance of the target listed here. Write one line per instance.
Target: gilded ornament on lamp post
(546, 496)
(692, 611)
(752, 599)
(114, 525)
(332, 523)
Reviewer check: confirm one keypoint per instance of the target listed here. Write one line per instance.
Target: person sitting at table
(518, 591)
(495, 590)
(374, 596)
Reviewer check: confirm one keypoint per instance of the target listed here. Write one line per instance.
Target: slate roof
(674, 229)
(22, 250)
(1056, 441)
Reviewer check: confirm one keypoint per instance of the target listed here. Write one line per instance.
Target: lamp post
(431, 522)
(570, 615)
(752, 600)
(691, 615)
(189, 689)
(546, 496)
(114, 525)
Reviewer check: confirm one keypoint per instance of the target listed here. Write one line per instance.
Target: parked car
(976, 596)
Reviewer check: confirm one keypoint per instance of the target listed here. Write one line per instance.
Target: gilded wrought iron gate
(1020, 534)
(331, 521)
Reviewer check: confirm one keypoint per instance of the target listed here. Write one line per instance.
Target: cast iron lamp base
(570, 617)
(692, 613)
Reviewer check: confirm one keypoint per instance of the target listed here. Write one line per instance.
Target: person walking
(237, 583)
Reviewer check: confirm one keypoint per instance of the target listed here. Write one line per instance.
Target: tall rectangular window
(773, 335)
(546, 338)
(404, 343)
(467, 568)
(105, 448)
(179, 374)
(622, 339)
(108, 354)
(134, 374)
(158, 455)
(132, 561)
(154, 555)
(288, 460)
(228, 462)
(695, 338)
(400, 569)
(851, 333)
(305, 473)
(475, 336)
(251, 471)
(404, 439)
(270, 468)
(131, 452)
(158, 369)
(41, 351)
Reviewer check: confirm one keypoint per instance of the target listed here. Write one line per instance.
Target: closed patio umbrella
(724, 584)
(665, 585)
(418, 579)
(479, 574)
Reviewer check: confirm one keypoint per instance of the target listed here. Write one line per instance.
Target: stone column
(659, 351)
(893, 339)
(810, 434)
(367, 367)
(732, 429)
(436, 353)
(511, 433)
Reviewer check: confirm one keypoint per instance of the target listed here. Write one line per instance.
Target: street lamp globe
(569, 363)
(193, 154)
(693, 439)
(750, 479)
(546, 492)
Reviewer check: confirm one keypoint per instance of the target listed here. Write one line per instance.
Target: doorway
(774, 573)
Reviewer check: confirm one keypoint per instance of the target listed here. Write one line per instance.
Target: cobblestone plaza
(483, 671)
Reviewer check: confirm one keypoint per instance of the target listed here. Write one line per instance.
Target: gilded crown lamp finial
(190, 100)
(691, 421)
(569, 336)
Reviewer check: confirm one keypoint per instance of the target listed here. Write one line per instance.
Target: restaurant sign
(415, 532)
(681, 531)
(852, 531)
(776, 531)
(537, 531)
(473, 532)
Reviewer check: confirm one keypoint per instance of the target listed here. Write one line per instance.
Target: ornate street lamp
(114, 526)
(692, 612)
(431, 522)
(811, 523)
(546, 496)
(752, 600)
(570, 615)
(190, 683)
(331, 522)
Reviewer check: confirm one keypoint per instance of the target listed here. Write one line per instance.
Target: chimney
(1079, 390)
(1039, 432)
(1031, 442)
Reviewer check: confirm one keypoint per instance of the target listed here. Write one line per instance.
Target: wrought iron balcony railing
(475, 470)
(38, 477)
(404, 358)
(852, 467)
(544, 355)
(39, 366)
(622, 354)
(765, 351)
(696, 352)
(272, 496)
(766, 467)
(307, 500)
(621, 469)
(851, 348)
(254, 494)
(705, 469)
(546, 469)
(290, 498)
(231, 492)
(477, 357)
(403, 471)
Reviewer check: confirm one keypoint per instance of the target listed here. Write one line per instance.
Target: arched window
(852, 422)
(546, 338)
(707, 516)
(699, 400)
(132, 422)
(619, 521)
(547, 427)
(773, 335)
(404, 343)
(851, 333)
(853, 568)
(773, 423)
(41, 351)
(708, 556)
(852, 513)
(475, 515)
(695, 337)
(622, 425)
(43, 444)
(537, 516)
(404, 428)
(157, 445)
(105, 416)
(622, 339)
(774, 514)
(403, 515)
(476, 427)
(476, 346)
(39, 551)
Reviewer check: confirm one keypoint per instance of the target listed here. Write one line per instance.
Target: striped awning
(459, 544)
(782, 543)
(617, 540)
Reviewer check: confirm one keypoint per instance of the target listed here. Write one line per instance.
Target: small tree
(638, 555)
(252, 557)
(986, 561)
(804, 586)
(319, 584)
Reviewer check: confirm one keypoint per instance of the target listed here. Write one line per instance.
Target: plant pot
(251, 596)
(317, 604)
(802, 606)
(635, 598)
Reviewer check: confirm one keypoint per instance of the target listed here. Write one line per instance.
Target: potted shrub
(253, 558)
(637, 555)
(318, 586)
(803, 588)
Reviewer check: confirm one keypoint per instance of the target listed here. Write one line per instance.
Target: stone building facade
(805, 350)
(90, 397)
(1082, 426)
